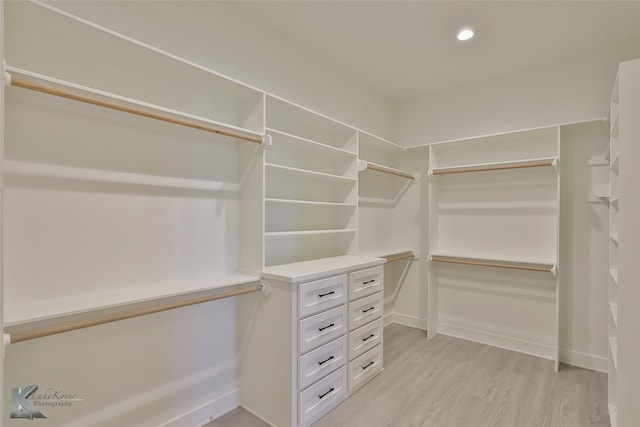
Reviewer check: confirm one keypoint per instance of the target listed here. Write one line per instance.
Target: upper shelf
(64, 89)
(496, 166)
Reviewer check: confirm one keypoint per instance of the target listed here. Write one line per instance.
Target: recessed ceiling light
(465, 34)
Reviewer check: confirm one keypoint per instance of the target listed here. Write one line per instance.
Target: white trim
(584, 360)
(501, 341)
(509, 132)
(206, 412)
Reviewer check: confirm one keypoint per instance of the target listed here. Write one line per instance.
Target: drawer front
(321, 397)
(365, 338)
(321, 362)
(365, 282)
(321, 328)
(365, 310)
(320, 295)
(365, 367)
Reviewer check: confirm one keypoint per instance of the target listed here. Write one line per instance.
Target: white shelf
(24, 316)
(306, 233)
(613, 308)
(297, 171)
(613, 346)
(494, 166)
(315, 269)
(391, 254)
(102, 95)
(614, 164)
(311, 144)
(66, 172)
(502, 262)
(297, 202)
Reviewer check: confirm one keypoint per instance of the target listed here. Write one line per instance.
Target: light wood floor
(450, 382)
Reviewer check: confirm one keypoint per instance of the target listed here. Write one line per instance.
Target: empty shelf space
(67, 172)
(481, 167)
(510, 263)
(298, 171)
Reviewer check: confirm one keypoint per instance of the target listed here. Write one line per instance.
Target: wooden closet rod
(44, 332)
(492, 167)
(389, 171)
(26, 84)
(516, 266)
(400, 257)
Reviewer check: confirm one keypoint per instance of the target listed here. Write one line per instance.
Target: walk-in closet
(295, 214)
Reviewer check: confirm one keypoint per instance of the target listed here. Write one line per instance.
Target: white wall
(575, 90)
(219, 36)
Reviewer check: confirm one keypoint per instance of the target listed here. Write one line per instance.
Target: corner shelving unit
(311, 185)
(493, 240)
(624, 246)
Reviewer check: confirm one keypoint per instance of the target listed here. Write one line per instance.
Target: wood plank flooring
(449, 382)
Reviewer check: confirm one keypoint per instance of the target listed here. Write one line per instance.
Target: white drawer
(365, 367)
(321, 397)
(365, 338)
(320, 295)
(365, 310)
(365, 282)
(321, 328)
(321, 361)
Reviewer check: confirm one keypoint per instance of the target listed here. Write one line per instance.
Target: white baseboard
(500, 341)
(206, 412)
(584, 360)
(403, 319)
(570, 357)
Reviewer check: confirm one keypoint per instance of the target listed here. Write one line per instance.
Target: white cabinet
(365, 328)
(305, 347)
(624, 246)
(493, 240)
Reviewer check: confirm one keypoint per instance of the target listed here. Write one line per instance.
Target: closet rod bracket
(266, 142)
(266, 287)
(6, 341)
(7, 76)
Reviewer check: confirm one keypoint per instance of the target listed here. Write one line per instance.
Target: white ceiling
(407, 49)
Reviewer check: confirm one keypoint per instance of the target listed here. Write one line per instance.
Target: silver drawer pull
(325, 327)
(368, 282)
(367, 365)
(320, 396)
(368, 309)
(368, 338)
(325, 360)
(324, 295)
